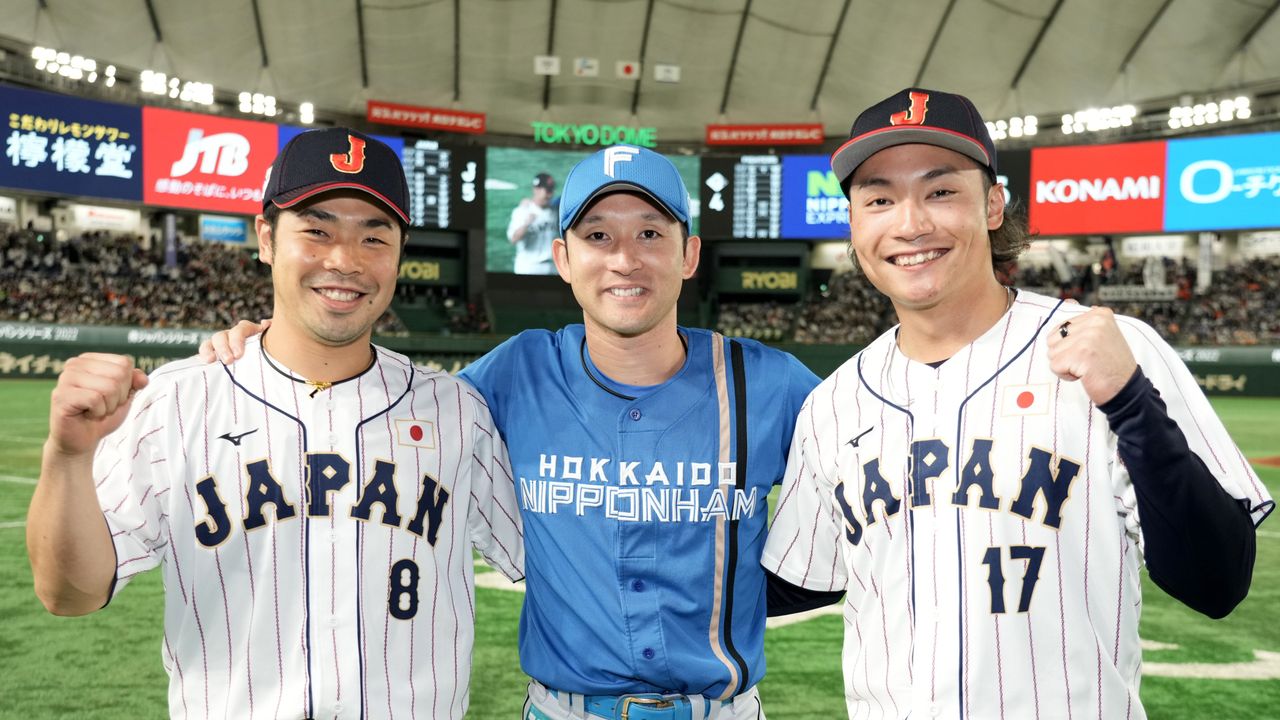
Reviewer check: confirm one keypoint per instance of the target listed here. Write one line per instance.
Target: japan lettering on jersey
(316, 544)
(982, 524)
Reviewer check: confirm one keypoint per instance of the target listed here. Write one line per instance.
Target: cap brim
(846, 159)
(293, 197)
(620, 187)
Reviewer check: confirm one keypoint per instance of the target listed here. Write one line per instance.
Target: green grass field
(108, 665)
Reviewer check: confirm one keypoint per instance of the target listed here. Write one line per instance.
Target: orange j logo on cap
(351, 162)
(913, 115)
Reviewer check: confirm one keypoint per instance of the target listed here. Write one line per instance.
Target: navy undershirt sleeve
(783, 598)
(1199, 540)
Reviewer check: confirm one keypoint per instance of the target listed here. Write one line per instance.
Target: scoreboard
(741, 196)
(445, 185)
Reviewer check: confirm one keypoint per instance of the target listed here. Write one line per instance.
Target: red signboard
(765, 135)
(424, 117)
(205, 162)
(1098, 189)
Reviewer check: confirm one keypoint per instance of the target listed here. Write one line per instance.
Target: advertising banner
(1098, 189)
(813, 206)
(806, 134)
(65, 145)
(96, 217)
(224, 229)
(425, 118)
(205, 162)
(1223, 183)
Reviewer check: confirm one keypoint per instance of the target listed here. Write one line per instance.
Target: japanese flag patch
(1021, 400)
(416, 433)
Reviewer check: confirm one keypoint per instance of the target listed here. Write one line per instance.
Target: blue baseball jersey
(644, 508)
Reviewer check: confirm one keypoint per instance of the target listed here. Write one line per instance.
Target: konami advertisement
(204, 162)
(1098, 189)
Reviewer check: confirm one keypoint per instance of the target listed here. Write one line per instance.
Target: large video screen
(522, 193)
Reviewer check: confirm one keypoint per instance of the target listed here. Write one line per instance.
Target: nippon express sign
(1223, 183)
(812, 204)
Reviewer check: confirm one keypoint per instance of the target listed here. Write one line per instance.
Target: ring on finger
(1062, 329)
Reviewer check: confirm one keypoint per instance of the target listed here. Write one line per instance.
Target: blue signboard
(65, 145)
(1223, 183)
(812, 204)
(221, 228)
(289, 132)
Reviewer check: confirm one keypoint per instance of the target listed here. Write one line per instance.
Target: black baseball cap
(544, 180)
(317, 161)
(915, 115)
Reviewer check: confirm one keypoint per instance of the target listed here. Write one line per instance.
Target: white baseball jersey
(533, 251)
(315, 544)
(981, 522)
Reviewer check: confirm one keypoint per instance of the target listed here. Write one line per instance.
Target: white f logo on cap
(617, 154)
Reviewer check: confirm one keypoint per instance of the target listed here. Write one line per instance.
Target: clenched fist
(1090, 348)
(91, 399)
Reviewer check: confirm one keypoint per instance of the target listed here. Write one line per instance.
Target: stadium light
(153, 83)
(257, 104)
(1013, 127)
(1098, 119)
(307, 113)
(64, 64)
(1209, 113)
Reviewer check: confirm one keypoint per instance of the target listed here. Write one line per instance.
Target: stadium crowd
(1241, 308)
(103, 279)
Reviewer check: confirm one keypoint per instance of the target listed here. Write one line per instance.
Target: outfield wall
(29, 350)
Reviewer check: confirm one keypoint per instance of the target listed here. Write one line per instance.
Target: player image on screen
(533, 227)
(987, 478)
(643, 453)
(312, 506)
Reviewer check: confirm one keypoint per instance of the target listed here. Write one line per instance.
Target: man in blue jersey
(643, 455)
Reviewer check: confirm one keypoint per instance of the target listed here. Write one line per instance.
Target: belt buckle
(655, 703)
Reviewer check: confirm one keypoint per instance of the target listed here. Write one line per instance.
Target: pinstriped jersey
(644, 509)
(315, 544)
(981, 521)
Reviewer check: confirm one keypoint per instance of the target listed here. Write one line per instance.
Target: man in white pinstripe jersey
(314, 505)
(988, 477)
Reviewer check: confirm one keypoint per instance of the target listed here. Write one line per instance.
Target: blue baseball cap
(623, 168)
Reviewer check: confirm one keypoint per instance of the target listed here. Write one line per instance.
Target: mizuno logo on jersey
(1044, 485)
(854, 442)
(235, 439)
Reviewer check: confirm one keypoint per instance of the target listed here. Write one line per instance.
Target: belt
(647, 706)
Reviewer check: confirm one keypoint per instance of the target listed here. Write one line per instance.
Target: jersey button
(638, 586)
(337, 707)
(648, 653)
(635, 413)
(935, 710)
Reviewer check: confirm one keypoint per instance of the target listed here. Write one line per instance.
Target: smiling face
(334, 264)
(626, 260)
(919, 217)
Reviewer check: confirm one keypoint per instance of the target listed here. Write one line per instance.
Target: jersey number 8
(402, 602)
